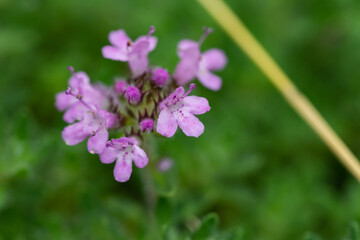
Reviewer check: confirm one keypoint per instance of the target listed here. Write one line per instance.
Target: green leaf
(207, 228)
(311, 236)
(353, 232)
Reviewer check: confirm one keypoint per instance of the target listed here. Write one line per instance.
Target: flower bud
(147, 124)
(160, 76)
(133, 95)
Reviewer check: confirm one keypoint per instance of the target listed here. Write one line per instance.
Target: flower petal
(210, 80)
(186, 71)
(109, 155)
(166, 124)
(97, 143)
(196, 105)
(119, 39)
(114, 53)
(139, 157)
(76, 112)
(78, 80)
(214, 59)
(190, 124)
(63, 101)
(152, 41)
(123, 169)
(111, 120)
(75, 133)
(188, 67)
(186, 44)
(138, 60)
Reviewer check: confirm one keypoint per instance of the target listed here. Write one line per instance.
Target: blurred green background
(258, 169)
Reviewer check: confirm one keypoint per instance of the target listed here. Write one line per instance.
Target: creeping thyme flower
(94, 125)
(80, 87)
(123, 49)
(179, 109)
(194, 64)
(134, 105)
(124, 151)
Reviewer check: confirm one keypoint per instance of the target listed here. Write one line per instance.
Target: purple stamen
(87, 105)
(79, 97)
(207, 31)
(109, 144)
(68, 91)
(71, 69)
(151, 31)
(98, 130)
(192, 86)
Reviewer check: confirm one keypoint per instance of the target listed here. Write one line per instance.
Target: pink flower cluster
(149, 100)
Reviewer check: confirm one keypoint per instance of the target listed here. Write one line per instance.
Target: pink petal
(188, 67)
(214, 59)
(63, 101)
(78, 80)
(166, 124)
(114, 53)
(196, 105)
(119, 39)
(92, 95)
(109, 155)
(75, 112)
(210, 80)
(139, 157)
(186, 44)
(152, 41)
(185, 71)
(123, 169)
(138, 60)
(190, 124)
(111, 120)
(75, 133)
(97, 144)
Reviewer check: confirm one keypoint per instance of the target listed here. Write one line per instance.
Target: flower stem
(227, 19)
(149, 192)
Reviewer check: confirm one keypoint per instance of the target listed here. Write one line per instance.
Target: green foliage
(207, 227)
(353, 232)
(258, 166)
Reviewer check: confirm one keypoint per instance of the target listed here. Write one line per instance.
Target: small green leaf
(207, 227)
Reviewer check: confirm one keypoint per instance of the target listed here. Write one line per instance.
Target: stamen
(71, 69)
(192, 86)
(207, 31)
(109, 144)
(152, 30)
(93, 133)
(68, 91)
(79, 97)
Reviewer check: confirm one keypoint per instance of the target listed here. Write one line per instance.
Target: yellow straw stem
(245, 40)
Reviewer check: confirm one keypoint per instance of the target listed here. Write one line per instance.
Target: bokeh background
(258, 170)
